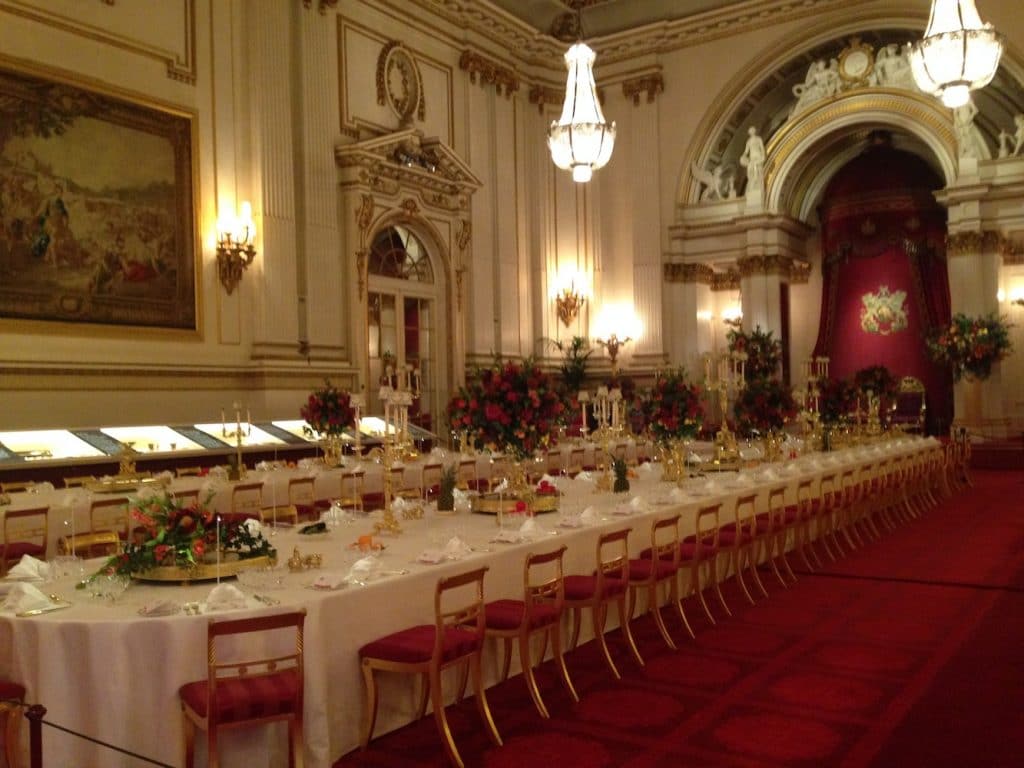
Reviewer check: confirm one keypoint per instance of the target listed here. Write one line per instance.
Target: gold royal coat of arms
(883, 312)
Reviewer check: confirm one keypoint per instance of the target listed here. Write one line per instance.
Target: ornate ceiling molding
(793, 270)
(322, 5)
(542, 94)
(651, 85)
(985, 241)
(489, 72)
(702, 274)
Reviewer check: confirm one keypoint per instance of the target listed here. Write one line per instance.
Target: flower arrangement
(763, 406)
(764, 353)
(876, 379)
(837, 398)
(971, 345)
(328, 411)
(167, 533)
(512, 407)
(672, 409)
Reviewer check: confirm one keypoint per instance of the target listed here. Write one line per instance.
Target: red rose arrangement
(672, 409)
(546, 488)
(328, 411)
(167, 533)
(763, 406)
(837, 399)
(763, 351)
(971, 345)
(512, 407)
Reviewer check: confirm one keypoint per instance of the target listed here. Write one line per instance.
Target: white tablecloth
(104, 670)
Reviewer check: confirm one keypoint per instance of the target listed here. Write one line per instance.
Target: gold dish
(123, 484)
(490, 503)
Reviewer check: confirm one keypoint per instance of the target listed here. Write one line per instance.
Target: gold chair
(540, 611)
(15, 486)
(302, 496)
(609, 583)
(654, 567)
(86, 545)
(282, 513)
(576, 459)
(430, 484)
(110, 515)
(699, 550)
(455, 637)
(773, 531)
(739, 539)
(248, 691)
(77, 481)
(466, 478)
(187, 498)
(12, 698)
(24, 534)
(246, 500)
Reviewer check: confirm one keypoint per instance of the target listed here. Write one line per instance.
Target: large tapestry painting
(96, 208)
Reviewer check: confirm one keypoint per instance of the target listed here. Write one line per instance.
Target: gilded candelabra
(237, 434)
(389, 523)
(727, 376)
(612, 345)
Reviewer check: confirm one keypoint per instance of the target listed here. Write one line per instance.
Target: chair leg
(556, 648)
(781, 547)
(370, 710)
(659, 620)
(675, 599)
(752, 558)
(441, 720)
(627, 632)
(481, 699)
(739, 567)
(577, 619)
(695, 584)
(597, 615)
(718, 585)
(425, 692)
(212, 758)
(295, 743)
(507, 665)
(190, 743)
(531, 681)
(770, 546)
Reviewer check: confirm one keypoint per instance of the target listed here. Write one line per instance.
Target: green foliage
(764, 353)
(970, 346)
(446, 499)
(621, 472)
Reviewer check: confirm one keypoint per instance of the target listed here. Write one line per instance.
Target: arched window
(397, 252)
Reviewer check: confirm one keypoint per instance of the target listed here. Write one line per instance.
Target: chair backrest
(282, 513)
(828, 491)
(352, 488)
(109, 515)
(24, 527)
(77, 481)
(466, 476)
(87, 545)
(543, 581)
(187, 498)
(281, 662)
(665, 540)
(189, 471)
(576, 458)
(247, 499)
(13, 486)
(612, 557)
(301, 491)
(777, 502)
(431, 483)
(746, 513)
(467, 615)
(706, 527)
(804, 496)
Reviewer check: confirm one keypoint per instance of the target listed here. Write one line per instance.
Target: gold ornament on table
(297, 562)
(237, 469)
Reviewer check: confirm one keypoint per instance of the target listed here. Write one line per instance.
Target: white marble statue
(753, 158)
(711, 181)
(1004, 144)
(1018, 137)
(892, 67)
(963, 124)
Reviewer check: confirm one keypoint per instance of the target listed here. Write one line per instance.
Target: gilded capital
(651, 85)
(489, 72)
(541, 95)
(973, 243)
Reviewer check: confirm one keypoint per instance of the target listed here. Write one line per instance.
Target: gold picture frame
(97, 208)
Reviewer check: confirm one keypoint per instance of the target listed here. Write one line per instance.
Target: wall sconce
(235, 249)
(612, 345)
(569, 303)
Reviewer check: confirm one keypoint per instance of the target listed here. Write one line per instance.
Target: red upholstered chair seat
(17, 549)
(245, 698)
(238, 517)
(416, 645)
(640, 569)
(508, 614)
(11, 691)
(791, 514)
(730, 537)
(582, 587)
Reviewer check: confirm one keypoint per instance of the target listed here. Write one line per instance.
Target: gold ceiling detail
(489, 72)
(651, 85)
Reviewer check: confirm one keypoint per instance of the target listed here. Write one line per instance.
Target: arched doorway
(403, 300)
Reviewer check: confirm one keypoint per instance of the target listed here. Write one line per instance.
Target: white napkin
(640, 504)
(432, 556)
(399, 505)
(305, 464)
(646, 467)
(502, 486)
(225, 597)
(529, 529)
(508, 537)
(678, 494)
(456, 548)
(363, 569)
(30, 568)
(589, 515)
(329, 580)
(546, 478)
(583, 477)
(571, 521)
(25, 597)
(44, 487)
(623, 509)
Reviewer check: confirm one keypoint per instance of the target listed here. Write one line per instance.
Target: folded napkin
(584, 477)
(25, 597)
(623, 509)
(363, 569)
(678, 494)
(305, 464)
(589, 515)
(546, 478)
(639, 504)
(161, 607)
(646, 467)
(218, 473)
(431, 555)
(329, 580)
(529, 529)
(30, 568)
(225, 597)
(399, 505)
(508, 537)
(456, 548)
(571, 521)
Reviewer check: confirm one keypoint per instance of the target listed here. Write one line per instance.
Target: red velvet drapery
(885, 280)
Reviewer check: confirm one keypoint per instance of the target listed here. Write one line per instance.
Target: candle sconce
(568, 304)
(235, 248)
(612, 345)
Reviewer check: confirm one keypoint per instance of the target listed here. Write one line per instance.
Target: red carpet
(905, 653)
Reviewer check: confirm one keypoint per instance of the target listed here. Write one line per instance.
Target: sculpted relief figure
(1018, 137)
(892, 67)
(963, 123)
(753, 159)
(712, 183)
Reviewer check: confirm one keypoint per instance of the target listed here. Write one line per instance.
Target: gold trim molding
(395, 57)
(322, 5)
(542, 94)
(489, 72)
(986, 241)
(652, 85)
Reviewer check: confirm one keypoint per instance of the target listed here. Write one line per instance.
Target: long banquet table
(103, 669)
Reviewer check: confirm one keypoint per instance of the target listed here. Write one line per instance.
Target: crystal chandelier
(581, 140)
(958, 53)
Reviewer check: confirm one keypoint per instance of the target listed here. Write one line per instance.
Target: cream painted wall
(271, 103)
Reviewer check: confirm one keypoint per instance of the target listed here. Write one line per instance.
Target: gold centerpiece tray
(491, 503)
(125, 484)
(203, 571)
